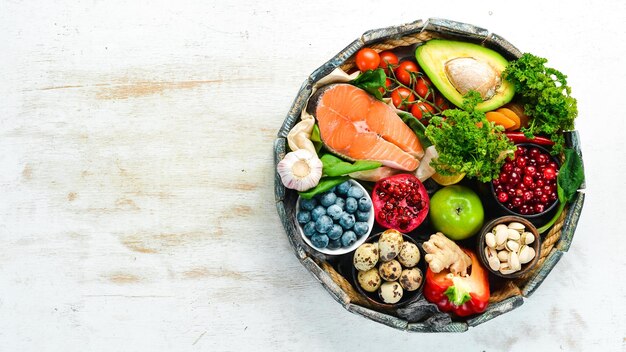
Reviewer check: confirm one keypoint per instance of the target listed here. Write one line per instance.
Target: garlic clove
(300, 170)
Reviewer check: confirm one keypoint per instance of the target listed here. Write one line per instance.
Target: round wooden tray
(420, 316)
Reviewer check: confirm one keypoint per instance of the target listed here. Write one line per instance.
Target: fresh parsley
(467, 142)
(546, 98)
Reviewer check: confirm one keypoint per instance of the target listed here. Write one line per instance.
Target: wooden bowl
(536, 245)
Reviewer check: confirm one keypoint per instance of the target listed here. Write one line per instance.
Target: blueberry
(346, 221)
(307, 204)
(328, 199)
(341, 203)
(364, 204)
(324, 224)
(303, 217)
(348, 238)
(351, 205)
(355, 192)
(334, 211)
(343, 188)
(334, 244)
(361, 228)
(335, 232)
(320, 241)
(362, 216)
(317, 212)
(309, 229)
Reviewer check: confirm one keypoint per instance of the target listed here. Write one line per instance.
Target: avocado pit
(467, 73)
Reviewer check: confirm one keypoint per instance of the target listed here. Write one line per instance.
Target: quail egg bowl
(407, 296)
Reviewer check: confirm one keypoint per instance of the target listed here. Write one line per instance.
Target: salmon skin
(357, 126)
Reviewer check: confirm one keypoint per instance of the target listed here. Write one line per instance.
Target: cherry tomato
(367, 59)
(401, 97)
(441, 103)
(387, 88)
(420, 108)
(403, 71)
(388, 58)
(422, 88)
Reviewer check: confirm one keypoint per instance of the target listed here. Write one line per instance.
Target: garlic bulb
(300, 170)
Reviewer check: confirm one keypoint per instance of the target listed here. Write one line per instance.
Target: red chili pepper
(519, 137)
(462, 295)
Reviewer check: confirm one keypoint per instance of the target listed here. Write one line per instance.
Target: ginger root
(443, 253)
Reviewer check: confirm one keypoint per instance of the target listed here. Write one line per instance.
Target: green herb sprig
(467, 142)
(546, 98)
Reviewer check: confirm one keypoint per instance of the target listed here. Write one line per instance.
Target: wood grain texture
(138, 209)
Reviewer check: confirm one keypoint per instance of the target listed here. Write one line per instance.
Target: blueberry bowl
(340, 220)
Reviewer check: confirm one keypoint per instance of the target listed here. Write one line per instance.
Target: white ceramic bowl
(342, 250)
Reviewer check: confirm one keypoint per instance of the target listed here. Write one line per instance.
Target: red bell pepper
(462, 295)
(519, 137)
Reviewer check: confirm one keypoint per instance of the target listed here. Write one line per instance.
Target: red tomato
(403, 72)
(420, 108)
(422, 88)
(401, 97)
(367, 59)
(388, 58)
(441, 103)
(387, 87)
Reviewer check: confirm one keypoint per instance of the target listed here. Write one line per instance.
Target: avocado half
(457, 67)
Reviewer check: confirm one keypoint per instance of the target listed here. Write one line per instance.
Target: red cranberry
(534, 152)
(514, 178)
(528, 180)
(542, 159)
(520, 162)
(539, 208)
(530, 170)
(508, 167)
(544, 198)
(549, 173)
(503, 197)
(540, 183)
(517, 202)
(528, 196)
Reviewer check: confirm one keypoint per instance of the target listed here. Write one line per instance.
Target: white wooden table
(137, 210)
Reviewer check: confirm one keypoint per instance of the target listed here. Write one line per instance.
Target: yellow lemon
(447, 180)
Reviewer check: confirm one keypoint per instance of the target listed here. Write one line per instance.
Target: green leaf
(417, 127)
(371, 81)
(333, 166)
(571, 175)
(316, 138)
(324, 185)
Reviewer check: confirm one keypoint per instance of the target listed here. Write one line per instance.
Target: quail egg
(389, 244)
(390, 271)
(369, 280)
(366, 256)
(411, 279)
(409, 255)
(390, 292)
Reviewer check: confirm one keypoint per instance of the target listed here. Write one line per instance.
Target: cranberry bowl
(527, 184)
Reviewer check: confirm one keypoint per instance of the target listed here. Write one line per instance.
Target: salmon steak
(357, 126)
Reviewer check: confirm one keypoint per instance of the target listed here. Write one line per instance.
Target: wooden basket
(423, 316)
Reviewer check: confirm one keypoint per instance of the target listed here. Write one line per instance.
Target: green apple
(457, 212)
